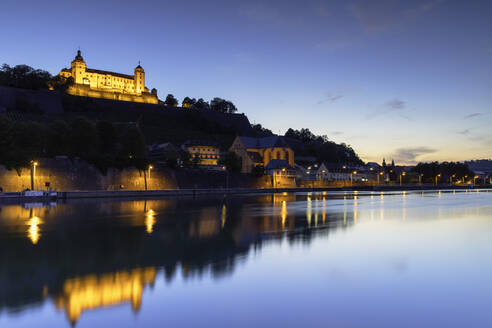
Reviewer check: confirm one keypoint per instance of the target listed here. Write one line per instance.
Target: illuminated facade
(95, 83)
(260, 151)
(208, 153)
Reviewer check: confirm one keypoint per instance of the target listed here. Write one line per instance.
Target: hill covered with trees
(29, 132)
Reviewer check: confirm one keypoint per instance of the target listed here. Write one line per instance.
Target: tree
(222, 105)
(258, 171)
(308, 144)
(57, 135)
(231, 161)
(107, 136)
(26, 144)
(23, 76)
(5, 139)
(60, 83)
(83, 138)
(429, 171)
(171, 101)
(133, 148)
(202, 104)
(188, 102)
(263, 132)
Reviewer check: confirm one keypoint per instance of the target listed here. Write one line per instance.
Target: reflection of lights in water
(150, 221)
(309, 211)
(90, 292)
(223, 215)
(382, 197)
(316, 212)
(439, 194)
(355, 209)
(324, 210)
(283, 213)
(33, 231)
(404, 206)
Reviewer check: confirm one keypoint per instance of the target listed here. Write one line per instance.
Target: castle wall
(86, 91)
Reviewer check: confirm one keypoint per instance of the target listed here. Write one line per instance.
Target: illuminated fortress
(95, 83)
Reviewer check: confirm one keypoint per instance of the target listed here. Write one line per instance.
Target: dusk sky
(409, 80)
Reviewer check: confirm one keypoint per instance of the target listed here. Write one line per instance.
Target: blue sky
(409, 80)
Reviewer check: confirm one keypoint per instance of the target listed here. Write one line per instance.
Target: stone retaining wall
(63, 174)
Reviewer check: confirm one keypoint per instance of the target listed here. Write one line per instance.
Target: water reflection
(85, 255)
(92, 291)
(106, 252)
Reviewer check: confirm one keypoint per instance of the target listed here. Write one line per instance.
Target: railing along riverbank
(77, 194)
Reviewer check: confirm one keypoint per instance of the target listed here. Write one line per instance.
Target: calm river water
(408, 259)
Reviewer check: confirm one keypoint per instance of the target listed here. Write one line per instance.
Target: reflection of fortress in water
(113, 250)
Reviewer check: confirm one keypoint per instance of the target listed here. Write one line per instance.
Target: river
(335, 259)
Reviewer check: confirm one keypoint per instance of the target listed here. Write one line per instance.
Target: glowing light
(33, 232)
(309, 211)
(149, 221)
(283, 213)
(223, 215)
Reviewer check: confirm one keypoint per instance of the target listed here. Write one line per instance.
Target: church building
(89, 82)
(260, 151)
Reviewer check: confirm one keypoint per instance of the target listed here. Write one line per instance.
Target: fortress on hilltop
(96, 83)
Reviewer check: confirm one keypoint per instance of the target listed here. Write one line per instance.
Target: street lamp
(33, 173)
(420, 178)
(437, 176)
(402, 174)
(351, 177)
(451, 178)
(150, 168)
(380, 174)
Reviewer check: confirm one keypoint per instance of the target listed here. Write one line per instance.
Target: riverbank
(77, 194)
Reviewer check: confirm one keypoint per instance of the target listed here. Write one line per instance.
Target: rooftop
(266, 142)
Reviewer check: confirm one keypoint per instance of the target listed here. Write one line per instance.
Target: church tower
(78, 68)
(139, 79)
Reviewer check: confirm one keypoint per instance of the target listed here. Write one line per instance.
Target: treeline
(217, 104)
(320, 147)
(446, 170)
(26, 77)
(101, 143)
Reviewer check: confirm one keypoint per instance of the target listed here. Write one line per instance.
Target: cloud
(466, 117)
(410, 155)
(336, 133)
(464, 132)
(379, 16)
(390, 107)
(395, 104)
(329, 98)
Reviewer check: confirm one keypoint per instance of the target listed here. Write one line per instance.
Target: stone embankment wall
(63, 174)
